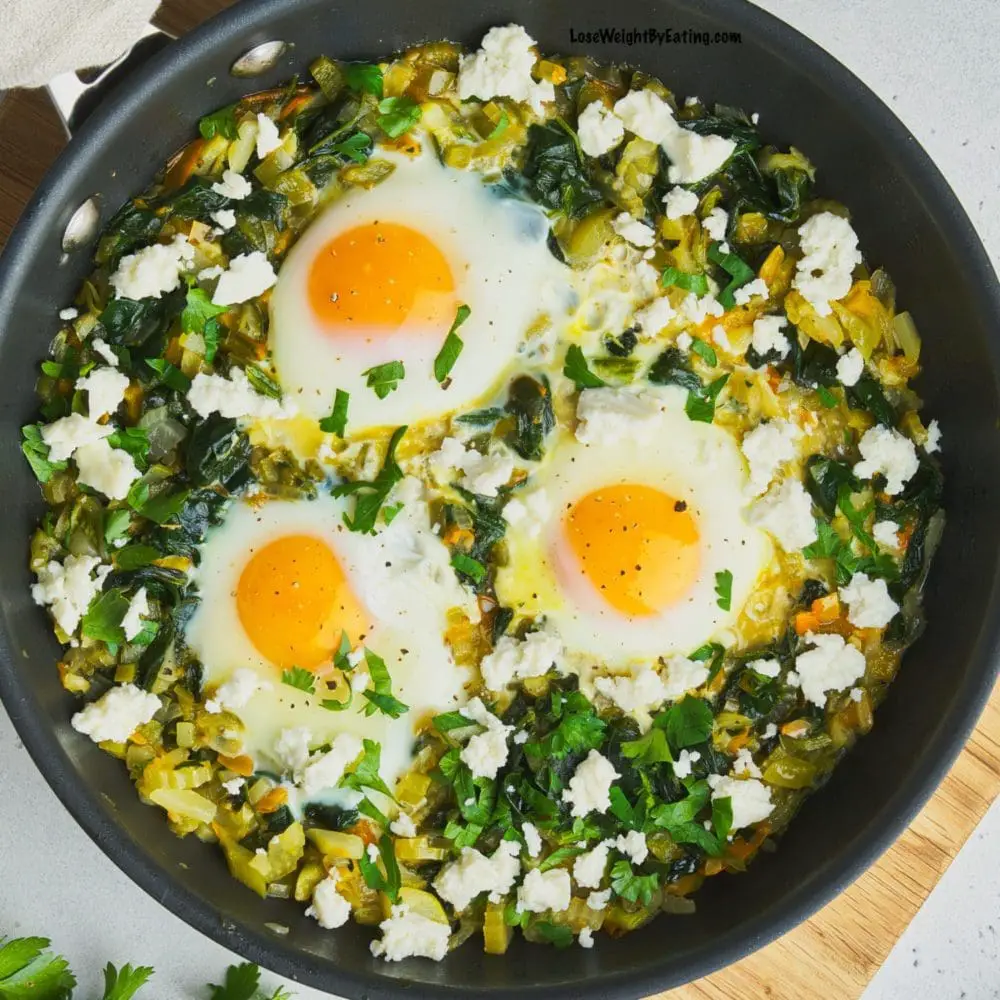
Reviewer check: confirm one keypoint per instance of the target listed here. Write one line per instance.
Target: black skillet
(908, 220)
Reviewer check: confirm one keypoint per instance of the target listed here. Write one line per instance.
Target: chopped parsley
(363, 78)
(452, 347)
(383, 379)
(365, 773)
(704, 351)
(724, 589)
(298, 677)
(379, 695)
(372, 495)
(700, 403)
(696, 283)
(397, 115)
(336, 423)
(577, 369)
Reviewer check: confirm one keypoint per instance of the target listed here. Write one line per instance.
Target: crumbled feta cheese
(233, 185)
(684, 341)
(831, 665)
(406, 934)
(683, 675)
(767, 335)
(291, 750)
(249, 275)
(692, 156)
(521, 737)
(324, 770)
(234, 693)
(532, 839)
(373, 853)
(715, 224)
(770, 731)
(598, 129)
(541, 891)
(637, 692)
(486, 752)
(599, 900)
(103, 348)
(138, 608)
(485, 474)
(792, 679)
(502, 68)
(586, 938)
(110, 471)
(460, 882)
(868, 601)
(105, 388)
(513, 659)
(530, 510)
(744, 763)
(886, 535)
(116, 715)
(69, 313)
(233, 785)
(933, 442)
(685, 762)
(67, 588)
(65, 435)
(766, 668)
(633, 846)
(403, 826)
(607, 416)
(225, 219)
(268, 136)
(152, 271)
(885, 451)
(697, 309)
(208, 273)
(679, 202)
(850, 367)
(857, 694)
(482, 474)
(766, 448)
(652, 318)
(746, 292)
(231, 397)
(786, 512)
(588, 868)
(589, 787)
(646, 115)
(830, 254)
(755, 117)
(328, 907)
(750, 798)
(630, 229)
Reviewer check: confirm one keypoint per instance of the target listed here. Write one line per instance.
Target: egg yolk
(294, 601)
(385, 275)
(636, 546)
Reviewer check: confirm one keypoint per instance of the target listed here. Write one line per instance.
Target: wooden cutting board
(834, 955)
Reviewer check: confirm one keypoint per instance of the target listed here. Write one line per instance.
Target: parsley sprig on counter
(29, 971)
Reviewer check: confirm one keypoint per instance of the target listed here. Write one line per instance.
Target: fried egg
(380, 275)
(621, 545)
(280, 583)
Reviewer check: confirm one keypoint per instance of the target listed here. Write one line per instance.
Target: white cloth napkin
(40, 39)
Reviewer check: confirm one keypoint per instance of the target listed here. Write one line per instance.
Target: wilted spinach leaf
(670, 368)
(554, 171)
(529, 402)
(218, 452)
(130, 228)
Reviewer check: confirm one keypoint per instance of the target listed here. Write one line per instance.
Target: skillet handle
(75, 100)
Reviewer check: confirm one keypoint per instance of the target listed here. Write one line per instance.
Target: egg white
(503, 271)
(403, 578)
(695, 462)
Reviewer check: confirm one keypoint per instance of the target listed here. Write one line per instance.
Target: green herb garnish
(298, 677)
(383, 379)
(336, 423)
(452, 347)
(372, 495)
(696, 283)
(397, 115)
(724, 589)
(577, 369)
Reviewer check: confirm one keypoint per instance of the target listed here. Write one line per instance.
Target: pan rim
(38, 731)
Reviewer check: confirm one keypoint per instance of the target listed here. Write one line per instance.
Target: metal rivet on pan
(259, 59)
(82, 226)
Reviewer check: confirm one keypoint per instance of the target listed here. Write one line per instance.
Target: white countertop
(936, 65)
